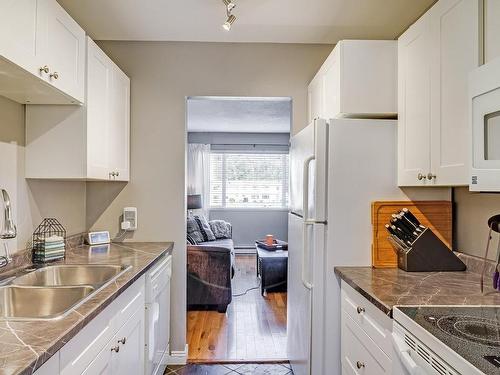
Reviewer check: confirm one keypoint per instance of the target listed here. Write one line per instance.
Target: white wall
(33, 200)
(254, 224)
(162, 75)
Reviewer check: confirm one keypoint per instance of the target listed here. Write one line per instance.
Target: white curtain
(198, 172)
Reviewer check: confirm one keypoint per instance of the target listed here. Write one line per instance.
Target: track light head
(229, 22)
(229, 5)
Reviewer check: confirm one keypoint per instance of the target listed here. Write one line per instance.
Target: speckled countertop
(386, 288)
(25, 345)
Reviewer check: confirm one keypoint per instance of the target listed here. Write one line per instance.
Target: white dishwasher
(158, 316)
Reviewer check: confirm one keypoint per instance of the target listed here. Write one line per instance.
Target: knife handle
(410, 216)
(496, 277)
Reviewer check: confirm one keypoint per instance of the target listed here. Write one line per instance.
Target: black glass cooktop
(472, 332)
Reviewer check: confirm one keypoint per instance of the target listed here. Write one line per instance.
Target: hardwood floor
(252, 330)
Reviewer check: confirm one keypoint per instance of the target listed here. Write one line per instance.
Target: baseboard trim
(178, 357)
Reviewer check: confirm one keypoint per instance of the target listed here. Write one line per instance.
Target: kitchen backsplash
(472, 211)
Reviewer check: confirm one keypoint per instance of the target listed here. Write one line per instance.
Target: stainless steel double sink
(52, 291)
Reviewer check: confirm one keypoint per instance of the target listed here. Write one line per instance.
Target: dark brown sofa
(210, 268)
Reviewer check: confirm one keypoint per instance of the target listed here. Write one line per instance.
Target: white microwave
(484, 88)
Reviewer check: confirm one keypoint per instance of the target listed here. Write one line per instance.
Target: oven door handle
(403, 352)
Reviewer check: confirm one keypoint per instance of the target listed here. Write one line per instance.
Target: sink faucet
(9, 229)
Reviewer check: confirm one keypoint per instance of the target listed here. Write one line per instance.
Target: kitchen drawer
(360, 354)
(132, 299)
(370, 319)
(81, 350)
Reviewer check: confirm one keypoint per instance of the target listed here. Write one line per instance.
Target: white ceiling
(279, 21)
(239, 115)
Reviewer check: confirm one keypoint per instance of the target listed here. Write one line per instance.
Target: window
(248, 180)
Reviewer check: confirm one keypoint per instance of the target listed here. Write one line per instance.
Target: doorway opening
(237, 194)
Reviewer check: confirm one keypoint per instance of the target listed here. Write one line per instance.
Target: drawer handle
(115, 349)
(360, 309)
(360, 365)
(122, 341)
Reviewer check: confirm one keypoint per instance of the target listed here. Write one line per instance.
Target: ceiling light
(229, 22)
(229, 5)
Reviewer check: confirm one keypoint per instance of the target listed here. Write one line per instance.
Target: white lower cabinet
(50, 367)
(366, 346)
(129, 358)
(112, 343)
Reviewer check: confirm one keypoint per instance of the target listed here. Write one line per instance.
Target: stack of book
(48, 249)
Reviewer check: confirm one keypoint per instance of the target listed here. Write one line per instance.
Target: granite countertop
(26, 345)
(386, 288)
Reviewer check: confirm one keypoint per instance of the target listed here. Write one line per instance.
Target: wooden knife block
(436, 215)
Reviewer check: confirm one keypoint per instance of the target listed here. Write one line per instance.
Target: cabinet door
(331, 86)
(455, 42)
(491, 30)
(65, 50)
(50, 367)
(99, 80)
(119, 129)
(130, 338)
(414, 101)
(102, 364)
(19, 33)
(315, 98)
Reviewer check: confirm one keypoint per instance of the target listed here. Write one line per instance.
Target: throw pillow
(190, 240)
(220, 228)
(193, 229)
(206, 232)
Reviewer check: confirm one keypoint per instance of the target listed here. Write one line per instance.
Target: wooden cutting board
(437, 215)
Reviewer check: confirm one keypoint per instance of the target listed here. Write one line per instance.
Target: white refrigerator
(337, 169)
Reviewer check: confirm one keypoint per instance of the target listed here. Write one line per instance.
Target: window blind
(248, 180)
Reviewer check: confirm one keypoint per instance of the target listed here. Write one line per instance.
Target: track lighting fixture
(229, 22)
(229, 5)
(230, 17)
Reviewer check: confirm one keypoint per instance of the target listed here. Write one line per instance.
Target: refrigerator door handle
(305, 187)
(307, 222)
(305, 251)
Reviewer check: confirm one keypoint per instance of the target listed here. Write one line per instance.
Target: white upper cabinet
(491, 30)
(358, 79)
(414, 103)
(64, 50)
(315, 99)
(436, 55)
(18, 33)
(91, 142)
(43, 52)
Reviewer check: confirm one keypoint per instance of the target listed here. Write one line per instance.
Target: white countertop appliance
(484, 88)
(158, 316)
(337, 168)
(446, 340)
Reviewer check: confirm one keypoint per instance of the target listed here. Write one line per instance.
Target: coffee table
(272, 268)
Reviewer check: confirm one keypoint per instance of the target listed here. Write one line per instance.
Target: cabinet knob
(54, 75)
(360, 309)
(122, 341)
(431, 176)
(420, 176)
(44, 69)
(360, 365)
(117, 174)
(115, 349)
